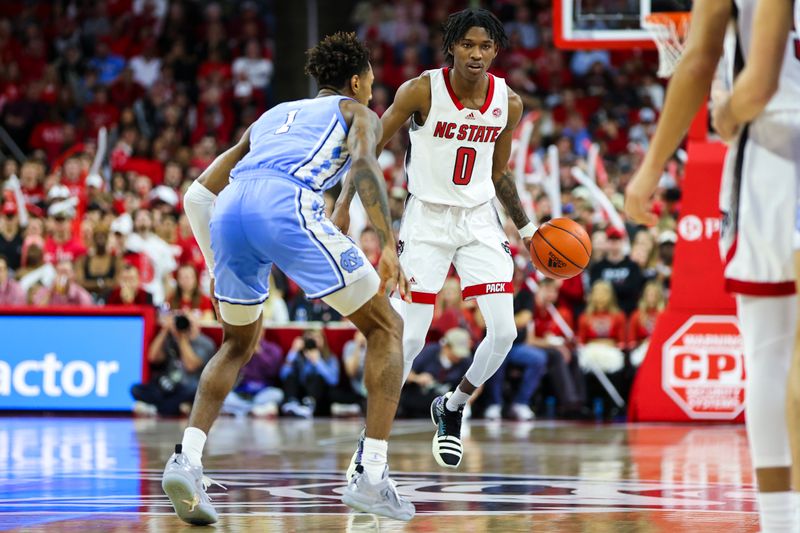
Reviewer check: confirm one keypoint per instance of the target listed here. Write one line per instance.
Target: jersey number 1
(288, 123)
(465, 162)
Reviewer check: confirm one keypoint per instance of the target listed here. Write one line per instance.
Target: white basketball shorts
(433, 236)
(759, 205)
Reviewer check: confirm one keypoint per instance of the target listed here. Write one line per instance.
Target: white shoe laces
(207, 482)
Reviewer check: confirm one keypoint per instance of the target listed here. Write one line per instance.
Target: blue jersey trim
(326, 292)
(342, 121)
(331, 260)
(317, 148)
(335, 175)
(234, 301)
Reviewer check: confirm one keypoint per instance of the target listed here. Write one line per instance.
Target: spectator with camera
(309, 375)
(177, 356)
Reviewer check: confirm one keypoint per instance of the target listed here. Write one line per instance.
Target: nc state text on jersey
(467, 132)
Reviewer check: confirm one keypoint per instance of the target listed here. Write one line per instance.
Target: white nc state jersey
(450, 158)
(788, 95)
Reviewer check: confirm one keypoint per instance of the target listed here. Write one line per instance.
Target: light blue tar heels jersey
(304, 141)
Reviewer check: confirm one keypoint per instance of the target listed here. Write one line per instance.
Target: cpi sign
(703, 368)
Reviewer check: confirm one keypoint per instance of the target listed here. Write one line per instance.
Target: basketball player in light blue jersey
(270, 211)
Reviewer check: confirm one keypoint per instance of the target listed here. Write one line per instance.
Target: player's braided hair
(458, 24)
(336, 59)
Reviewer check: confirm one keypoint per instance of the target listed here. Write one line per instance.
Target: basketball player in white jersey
(462, 120)
(757, 92)
(757, 199)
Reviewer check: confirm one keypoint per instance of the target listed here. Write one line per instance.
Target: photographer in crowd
(309, 375)
(177, 356)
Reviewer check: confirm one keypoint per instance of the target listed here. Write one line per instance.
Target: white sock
(374, 458)
(776, 512)
(796, 504)
(192, 445)
(457, 400)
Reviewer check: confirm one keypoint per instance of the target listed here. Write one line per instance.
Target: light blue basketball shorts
(264, 220)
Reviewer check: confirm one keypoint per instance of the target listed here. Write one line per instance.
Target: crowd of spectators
(174, 82)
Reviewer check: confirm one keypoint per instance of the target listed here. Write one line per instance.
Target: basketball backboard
(607, 24)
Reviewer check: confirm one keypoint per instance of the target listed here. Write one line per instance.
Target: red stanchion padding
(694, 368)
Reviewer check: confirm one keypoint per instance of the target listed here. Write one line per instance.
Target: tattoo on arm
(373, 196)
(506, 189)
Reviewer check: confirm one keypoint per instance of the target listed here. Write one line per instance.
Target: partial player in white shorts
(759, 205)
(758, 202)
(432, 237)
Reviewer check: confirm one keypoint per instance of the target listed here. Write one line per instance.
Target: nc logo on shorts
(351, 260)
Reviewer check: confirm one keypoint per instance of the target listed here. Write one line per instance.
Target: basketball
(561, 248)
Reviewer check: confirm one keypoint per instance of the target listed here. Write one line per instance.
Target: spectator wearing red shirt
(64, 291)
(643, 320)
(125, 91)
(100, 112)
(31, 177)
(129, 290)
(370, 245)
(555, 336)
(603, 320)
(190, 250)
(601, 330)
(62, 245)
(451, 312)
(49, 135)
(187, 296)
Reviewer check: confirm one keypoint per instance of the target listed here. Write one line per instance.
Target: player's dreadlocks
(336, 59)
(458, 24)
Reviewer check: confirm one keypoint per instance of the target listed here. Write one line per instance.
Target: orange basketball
(561, 248)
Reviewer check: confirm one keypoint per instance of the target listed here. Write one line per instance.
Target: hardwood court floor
(103, 474)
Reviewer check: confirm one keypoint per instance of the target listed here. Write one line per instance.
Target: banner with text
(70, 362)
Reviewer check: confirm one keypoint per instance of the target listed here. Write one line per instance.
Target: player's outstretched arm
(505, 186)
(409, 99)
(758, 81)
(199, 199)
(215, 177)
(365, 130)
(687, 90)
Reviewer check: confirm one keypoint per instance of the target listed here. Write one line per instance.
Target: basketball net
(669, 31)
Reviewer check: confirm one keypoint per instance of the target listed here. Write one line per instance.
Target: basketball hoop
(669, 31)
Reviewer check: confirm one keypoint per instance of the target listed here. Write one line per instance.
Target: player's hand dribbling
(638, 194)
(391, 274)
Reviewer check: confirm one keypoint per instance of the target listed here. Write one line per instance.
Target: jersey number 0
(465, 162)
